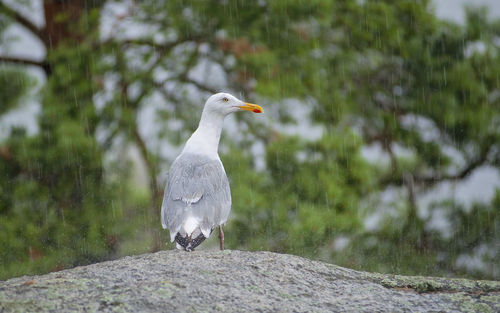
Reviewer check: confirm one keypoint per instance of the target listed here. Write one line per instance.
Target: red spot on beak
(256, 111)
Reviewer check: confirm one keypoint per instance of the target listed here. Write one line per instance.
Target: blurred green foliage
(383, 74)
(13, 85)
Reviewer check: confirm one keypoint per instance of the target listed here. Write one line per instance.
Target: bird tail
(187, 243)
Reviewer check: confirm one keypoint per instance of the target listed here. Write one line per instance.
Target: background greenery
(383, 74)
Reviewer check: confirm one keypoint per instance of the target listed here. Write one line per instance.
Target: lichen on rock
(239, 281)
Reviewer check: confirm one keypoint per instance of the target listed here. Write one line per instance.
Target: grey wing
(196, 187)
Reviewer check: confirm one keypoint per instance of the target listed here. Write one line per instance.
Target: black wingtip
(189, 244)
(181, 240)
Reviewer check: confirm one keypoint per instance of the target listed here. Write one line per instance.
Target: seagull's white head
(205, 140)
(224, 104)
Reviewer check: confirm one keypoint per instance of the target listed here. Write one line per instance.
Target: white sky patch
(477, 47)
(117, 21)
(474, 260)
(102, 97)
(387, 206)
(23, 116)
(209, 73)
(375, 154)
(22, 44)
(26, 113)
(139, 168)
(439, 221)
(150, 127)
(259, 152)
(453, 10)
(340, 243)
(480, 186)
(32, 9)
(303, 126)
(425, 127)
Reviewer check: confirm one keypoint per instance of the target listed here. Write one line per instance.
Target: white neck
(205, 139)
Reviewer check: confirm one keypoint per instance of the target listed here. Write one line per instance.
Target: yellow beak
(251, 107)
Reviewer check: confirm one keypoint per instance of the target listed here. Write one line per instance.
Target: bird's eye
(225, 99)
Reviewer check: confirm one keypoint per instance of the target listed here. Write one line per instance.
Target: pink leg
(221, 238)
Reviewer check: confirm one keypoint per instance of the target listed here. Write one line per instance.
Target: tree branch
(163, 47)
(16, 60)
(153, 181)
(460, 175)
(166, 95)
(183, 77)
(21, 61)
(135, 103)
(109, 140)
(198, 85)
(429, 181)
(23, 21)
(147, 159)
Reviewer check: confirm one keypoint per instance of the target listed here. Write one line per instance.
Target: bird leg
(221, 238)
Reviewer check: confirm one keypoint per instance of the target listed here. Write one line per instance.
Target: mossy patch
(429, 284)
(208, 281)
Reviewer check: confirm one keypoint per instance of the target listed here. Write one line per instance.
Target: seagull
(197, 196)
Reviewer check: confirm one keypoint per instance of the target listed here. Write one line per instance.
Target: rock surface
(237, 281)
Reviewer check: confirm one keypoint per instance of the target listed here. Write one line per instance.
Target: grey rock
(239, 281)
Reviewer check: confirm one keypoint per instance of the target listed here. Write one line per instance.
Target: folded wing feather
(197, 189)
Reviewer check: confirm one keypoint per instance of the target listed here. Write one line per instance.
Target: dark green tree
(428, 90)
(384, 74)
(56, 206)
